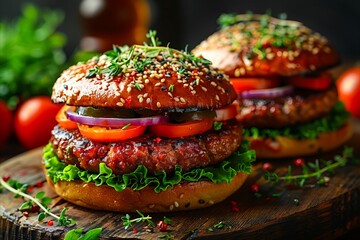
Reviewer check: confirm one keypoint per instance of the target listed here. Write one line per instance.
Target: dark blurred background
(183, 22)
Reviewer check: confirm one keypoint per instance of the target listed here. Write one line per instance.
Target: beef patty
(300, 107)
(153, 152)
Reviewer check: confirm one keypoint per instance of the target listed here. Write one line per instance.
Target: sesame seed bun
(166, 85)
(242, 50)
(184, 196)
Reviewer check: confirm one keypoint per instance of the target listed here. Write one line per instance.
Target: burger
(279, 69)
(146, 128)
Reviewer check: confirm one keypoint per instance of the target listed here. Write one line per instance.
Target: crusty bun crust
(283, 147)
(161, 88)
(242, 50)
(185, 196)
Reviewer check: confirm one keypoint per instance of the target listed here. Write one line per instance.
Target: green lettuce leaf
(225, 171)
(336, 118)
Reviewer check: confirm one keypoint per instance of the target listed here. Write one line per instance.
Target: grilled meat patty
(153, 152)
(301, 107)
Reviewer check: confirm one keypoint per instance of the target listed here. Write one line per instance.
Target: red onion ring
(267, 93)
(115, 122)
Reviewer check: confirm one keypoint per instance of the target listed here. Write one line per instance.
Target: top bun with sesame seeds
(146, 128)
(289, 104)
(261, 46)
(145, 77)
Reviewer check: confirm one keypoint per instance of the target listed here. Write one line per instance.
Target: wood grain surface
(325, 212)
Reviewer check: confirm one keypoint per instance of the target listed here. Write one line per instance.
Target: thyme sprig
(312, 171)
(137, 58)
(127, 221)
(19, 189)
(77, 234)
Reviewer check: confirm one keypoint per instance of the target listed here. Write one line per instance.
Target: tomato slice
(189, 128)
(319, 82)
(246, 84)
(103, 134)
(63, 121)
(226, 113)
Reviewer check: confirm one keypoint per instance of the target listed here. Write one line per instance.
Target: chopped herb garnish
(171, 88)
(219, 225)
(138, 57)
(126, 126)
(217, 125)
(137, 86)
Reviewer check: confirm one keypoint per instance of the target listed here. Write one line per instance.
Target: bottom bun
(184, 196)
(283, 147)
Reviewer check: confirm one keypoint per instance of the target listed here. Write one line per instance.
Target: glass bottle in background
(108, 22)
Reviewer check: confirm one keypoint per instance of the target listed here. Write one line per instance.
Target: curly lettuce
(336, 118)
(240, 161)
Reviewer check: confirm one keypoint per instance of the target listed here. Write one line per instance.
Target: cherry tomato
(189, 128)
(319, 82)
(348, 86)
(246, 84)
(226, 113)
(34, 121)
(5, 122)
(63, 121)
(103, 134)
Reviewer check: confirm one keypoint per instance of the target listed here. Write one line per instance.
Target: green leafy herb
(312, 171)
(225, 171)
(40, 200)
(219, 225)
(76, 234)
(171, 88)
(154, 41)
(127, 221)
(167, 220)
(166, 236)
(31, 54)
(217, 125)
(336, 118)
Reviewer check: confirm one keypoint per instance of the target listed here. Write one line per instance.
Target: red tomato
(5, 122)
(34, 121)
(63, 121)
(189, 128)
(319, 82)
(348, 85)
(246, 84)
(226, 113)
(103, 134)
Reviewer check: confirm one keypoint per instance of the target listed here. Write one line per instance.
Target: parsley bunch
(31, 54)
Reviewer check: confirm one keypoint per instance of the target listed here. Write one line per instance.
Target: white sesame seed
(147, 80)
(157, 84)
(171, 207)
(128, 89)
(148, 100)
(217, 97)
(181, 195)
(170, 94)
(176, 204)
(176, 99)
(182, 100)
(162, 80)
(204, 89)
(158, 104)
(122, 100)
(120, 104)
(145, 95)
(214, 84)
(141, 100)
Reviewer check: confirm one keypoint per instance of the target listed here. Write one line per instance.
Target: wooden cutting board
(324, 212)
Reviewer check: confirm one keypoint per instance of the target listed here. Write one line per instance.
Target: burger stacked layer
(146, 128)
(277, 67)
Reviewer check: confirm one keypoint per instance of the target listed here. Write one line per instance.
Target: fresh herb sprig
(127, 221)
(40, 200)
(312, 171)
(138, 57)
